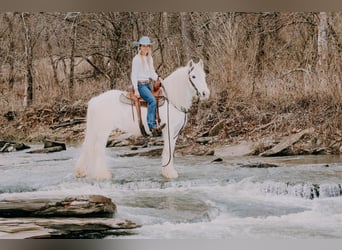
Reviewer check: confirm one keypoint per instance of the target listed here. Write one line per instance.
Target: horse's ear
(201, 63)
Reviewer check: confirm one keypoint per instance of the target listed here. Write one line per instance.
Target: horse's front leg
(168, 169)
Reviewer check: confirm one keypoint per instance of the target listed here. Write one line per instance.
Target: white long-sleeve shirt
(142, 70)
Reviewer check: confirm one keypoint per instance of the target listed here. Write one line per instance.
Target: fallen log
(68, 123)
(287, 142)
(215, 130)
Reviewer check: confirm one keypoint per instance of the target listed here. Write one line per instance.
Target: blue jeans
(146, 93)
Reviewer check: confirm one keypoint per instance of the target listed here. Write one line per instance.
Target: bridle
(198, 94)
(192, 83)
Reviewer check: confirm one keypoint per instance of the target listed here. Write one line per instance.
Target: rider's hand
(157, 84)
(136, 93)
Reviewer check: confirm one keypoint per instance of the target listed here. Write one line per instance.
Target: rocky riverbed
(137, 183)
(66, 124)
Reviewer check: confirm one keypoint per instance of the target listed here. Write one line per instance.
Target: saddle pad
(124, 98)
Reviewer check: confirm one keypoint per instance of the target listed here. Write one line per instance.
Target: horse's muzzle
(204, 95)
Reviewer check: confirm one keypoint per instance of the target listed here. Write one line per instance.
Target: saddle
(130, 98)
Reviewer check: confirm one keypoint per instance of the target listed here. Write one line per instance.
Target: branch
(96, 68)
(294, 70)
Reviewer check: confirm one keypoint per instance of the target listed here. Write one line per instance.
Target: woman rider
(142, 71)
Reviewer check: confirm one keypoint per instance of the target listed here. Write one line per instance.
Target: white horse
(106, 113)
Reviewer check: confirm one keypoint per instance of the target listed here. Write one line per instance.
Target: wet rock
(71, 217)
(243, 149)
(217, 160)
(8, 146)
(319, 151)
(46, 150)
(49, 147)
(62, 228)
(79, 206)
(259, 165)
(210, 152)
(50, 144)
(142, 151)
(152, 153)
(204, 140)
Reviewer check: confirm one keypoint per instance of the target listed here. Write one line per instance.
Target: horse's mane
(178, 90)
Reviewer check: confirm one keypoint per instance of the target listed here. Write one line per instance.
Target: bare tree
(322, 49)
(263, 53)
(187, 37)
(73, 18)
(9, 18)
(28, 92)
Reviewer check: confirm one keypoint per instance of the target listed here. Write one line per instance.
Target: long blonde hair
(148, 57)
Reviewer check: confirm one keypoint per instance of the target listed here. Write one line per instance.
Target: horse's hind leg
(86, 159)
(80, 165)
(101, 170)
(92, 162)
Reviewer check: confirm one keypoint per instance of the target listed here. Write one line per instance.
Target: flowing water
(301, 198)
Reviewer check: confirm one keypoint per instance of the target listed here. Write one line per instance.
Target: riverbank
(211, 125)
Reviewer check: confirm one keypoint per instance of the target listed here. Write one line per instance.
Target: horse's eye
(193, 77)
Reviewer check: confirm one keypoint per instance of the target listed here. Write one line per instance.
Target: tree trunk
(28, 94)
(72, 57)
(53, 64)
(187, 37)
(9, 17)
(260, 55)
(165, 24)
(322, 49)
(207, 42)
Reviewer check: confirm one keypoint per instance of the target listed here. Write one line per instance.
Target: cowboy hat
(144, 40)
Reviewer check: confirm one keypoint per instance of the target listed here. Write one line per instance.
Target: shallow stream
(301, 198)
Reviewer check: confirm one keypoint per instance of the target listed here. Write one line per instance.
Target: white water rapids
(301, 198)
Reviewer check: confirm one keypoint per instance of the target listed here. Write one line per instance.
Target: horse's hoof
(170, 174)
(80, 174)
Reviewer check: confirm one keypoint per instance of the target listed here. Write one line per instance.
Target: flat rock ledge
(89, 216)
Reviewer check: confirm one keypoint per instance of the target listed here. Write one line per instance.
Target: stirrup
(157, 131)
(160, 127)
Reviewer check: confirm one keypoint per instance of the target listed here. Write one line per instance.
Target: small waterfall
(164, 184)
(304, 190)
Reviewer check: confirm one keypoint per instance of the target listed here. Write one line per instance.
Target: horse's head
(197, 79)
